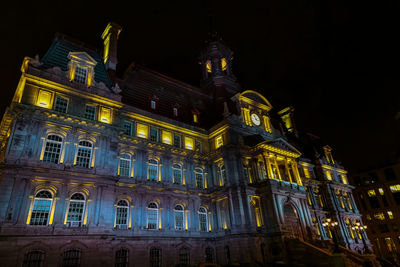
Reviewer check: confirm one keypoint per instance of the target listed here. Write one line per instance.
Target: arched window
(203, 219)
(33, 258)
(41, 208)
(152, 170)
(199, 176)
(122, 215)
(121, 258)
(179, 214)
(209, 254)
(222, 175)
(76, 210)
(184, 257)
(84, 154)
(52, 150)
(177, 173)
(152, 216)
(71, 258)
(155, 257)
(125, 165)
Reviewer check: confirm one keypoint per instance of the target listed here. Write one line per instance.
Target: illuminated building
(145, 170)
(378, 197)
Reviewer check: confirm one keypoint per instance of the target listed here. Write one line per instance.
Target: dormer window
(81, 68)
(80, 74)
(153, 104)
(175, 111)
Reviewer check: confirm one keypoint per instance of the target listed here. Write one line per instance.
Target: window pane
(52, 149)
(152, 218)
(72, 258)
(153, 171)
(75, 213)
(177, 141)
(90, 112)
(84, 154)
(80, 74)
(61, 104)
(121, 258)
(41, 208)
(155, 257)
(33, 259)
(128, 127)
(125, 165)
(153, 134)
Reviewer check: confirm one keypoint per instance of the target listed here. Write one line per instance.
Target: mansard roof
(62, 46)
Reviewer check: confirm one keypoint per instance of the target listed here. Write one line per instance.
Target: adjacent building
(145, 170)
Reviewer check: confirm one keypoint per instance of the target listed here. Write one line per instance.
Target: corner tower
(216, 65)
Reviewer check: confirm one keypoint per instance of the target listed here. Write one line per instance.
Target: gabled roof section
(82, 56)
(62, 46)
(280, 146)
(256, 99)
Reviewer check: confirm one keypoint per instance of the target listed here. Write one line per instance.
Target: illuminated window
(175, 111)
(71, 257)
(344, 179)
(208, 66)
(52, 150)
(255, 204)
(61, 104)
(328, 175)
(195, 119)
(41, 210)
(125, 165)
(84, 154)
(80, 75)
(390, 214)
(155, 257)
(179, 215)
(198, 174)
(152, 216)
(306, 172)
(105, 115)
(153, 134)
(189, 143)
(371, 193)
(183, 257)
(219, 141)
(152, 170)
(222, 175)
(122, 215)
(128, 127)
(90, 112)
(167, 137)
(76, 210)
(177, 141)
(142, 130)
(121, 258)
(380, 190)
(153, 104)
(177, 173)
(33, 258)
(203, 219)
(395, 188)
(223, 64)
(197, 146)
(379, 216)
(44, 99)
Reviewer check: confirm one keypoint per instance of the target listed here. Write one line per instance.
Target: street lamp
(360, 229)
(330, 224)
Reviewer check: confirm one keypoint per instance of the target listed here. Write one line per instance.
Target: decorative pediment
(280, 146)
(82, 57)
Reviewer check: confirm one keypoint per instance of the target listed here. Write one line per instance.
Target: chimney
(110, 38)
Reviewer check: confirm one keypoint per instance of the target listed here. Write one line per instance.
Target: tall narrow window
(222, 175)
(84, 154)
(90, 112)
(155, 257)
(203, 219)
(76, 210)
(198, 174)
(152, 170)
(154, 135)
(209, 255)
(52, 150)
(33, 258)
(177, 141)
(153, 104)
(177, 173)
(179, 214)
(128, 127)
(175, 111)
(152, 216)
(219, 141)
(125, 163)
(80, 74)
(41, 208)
(71, 258)
(122, 215)
(121, 258)
(61, 104)
(184, 257)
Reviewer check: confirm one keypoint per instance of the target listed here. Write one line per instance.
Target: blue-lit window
(122, 215)
(203, 219)
(121, 257)
(152, 216)
(179, 214)
(90, 112)
(84, 154)
(71, 258)
(52, 150)
(177, 173)
(76, 210)
(33, 258)
(61, 104)
(152, 171)
(41, 208)
(199, 176)
(125, 164)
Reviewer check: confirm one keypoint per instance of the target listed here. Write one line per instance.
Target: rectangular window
(128, 127)
(197, 146)
(83, 157)
(153, 104)
(40, 211)
(189, 143)
(105, 115)
(179, 220)
(75, 213)
(177, 140)
(80, 74)
(219, 141)
(142, 130)
(44, 99)
(125, 165)
(90, 112)
(61, 104)
(203, 222)
(167, 137)
(153, 134)
(121, 217)
(152, 218)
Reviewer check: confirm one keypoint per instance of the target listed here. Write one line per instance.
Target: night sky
(337, 63)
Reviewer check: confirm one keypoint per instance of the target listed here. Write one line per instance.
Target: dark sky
(336, 62)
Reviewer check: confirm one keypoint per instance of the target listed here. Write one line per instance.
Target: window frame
(201, 172)
(176, 170)
(70, 222)
(50, 207)
(46, 146)
(120, 166)
(119, 211)
(205, 223)
(77, 157)
(85, 115)
(55, 104)
(156, 210)
(78, 78)
(180, 212)
(38, 258)
(156, 165)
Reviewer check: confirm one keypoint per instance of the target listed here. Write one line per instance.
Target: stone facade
(145, 170)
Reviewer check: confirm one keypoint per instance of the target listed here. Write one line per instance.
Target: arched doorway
(292, 222)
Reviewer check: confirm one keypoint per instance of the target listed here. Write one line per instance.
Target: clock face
(255, 119)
